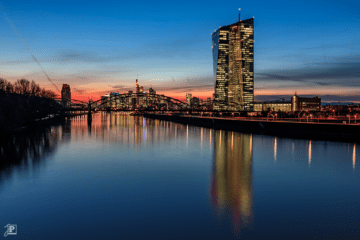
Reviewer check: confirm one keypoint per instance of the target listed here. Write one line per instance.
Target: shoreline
(36, 123)
(311, 130)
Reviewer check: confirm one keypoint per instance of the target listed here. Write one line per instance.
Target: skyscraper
(66, 95)
(233, 59)
(188, 99)
(137, 86)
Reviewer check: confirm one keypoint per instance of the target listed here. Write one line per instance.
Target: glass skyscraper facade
(233, 59)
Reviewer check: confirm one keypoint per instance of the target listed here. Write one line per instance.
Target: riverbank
(314, 130)
(19, 111)
(52, 119)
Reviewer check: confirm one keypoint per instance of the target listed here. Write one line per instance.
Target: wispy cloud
(343, 71)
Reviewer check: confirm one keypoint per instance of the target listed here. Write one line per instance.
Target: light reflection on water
(354, 156)
(231, 187)
(119, 172)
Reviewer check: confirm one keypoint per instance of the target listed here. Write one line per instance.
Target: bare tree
(22, 86)
(42, 92)
(9, 87)
(35, 89)
(25, 87)
(3, 83)
(49, 94)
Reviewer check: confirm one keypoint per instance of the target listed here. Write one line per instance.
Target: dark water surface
(127, 177)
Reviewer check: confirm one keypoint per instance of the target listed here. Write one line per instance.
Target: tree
(22, 86)
(9, 87)
(49, 94)
(3, 83)
(34, 89)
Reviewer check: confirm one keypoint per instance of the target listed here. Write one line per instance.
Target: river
(128, 177)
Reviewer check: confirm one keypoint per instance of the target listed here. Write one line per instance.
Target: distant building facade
(297, 104)
(66, 95)
(105, 100)
(272, 106)
(195, 102)
(233, 59)
(188, 99)
(305, 104)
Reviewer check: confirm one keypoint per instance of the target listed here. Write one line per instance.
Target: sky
(97, 47)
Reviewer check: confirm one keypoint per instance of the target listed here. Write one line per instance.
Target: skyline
(308, 47)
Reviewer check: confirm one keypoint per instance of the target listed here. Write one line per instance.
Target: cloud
(79, 91)
(202, 83)
(76, 56)
(180, 85)
(344, 71)
(187, 88)
(121, 88)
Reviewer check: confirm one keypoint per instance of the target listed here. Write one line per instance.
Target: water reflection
(354, 156)
(128, 130)
(129, 170)
(231, 189)
(275, 148)
(24, 153)
(309, 152)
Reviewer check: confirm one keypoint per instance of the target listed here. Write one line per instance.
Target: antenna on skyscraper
(239, 14)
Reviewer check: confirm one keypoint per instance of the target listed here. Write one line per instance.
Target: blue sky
(101, 46)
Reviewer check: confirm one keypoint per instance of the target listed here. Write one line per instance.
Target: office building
(152, 96)
(195, 102)
(66, 95)
(305, 104)
(137, 86)
(272, 106)
(105, 100)
(233, 63)
(188, 99)
(297, 104)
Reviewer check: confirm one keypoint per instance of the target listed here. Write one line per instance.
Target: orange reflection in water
(231, 187)
(275, 148)
(354, 156)
(124, 129)
(310, 152)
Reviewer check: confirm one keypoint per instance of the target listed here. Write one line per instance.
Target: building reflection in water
(354, 156)
(231, 187)
(275, 148)
(89, 121)
(135, 131)
(309, 152)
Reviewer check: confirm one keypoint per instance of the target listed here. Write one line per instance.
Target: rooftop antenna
(239, 14)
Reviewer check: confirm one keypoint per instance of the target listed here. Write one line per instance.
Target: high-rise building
(66, 95)
(188, 99)
(195, 102)
(105, 100)
(137, 86)
(152, 94)
(233, 63)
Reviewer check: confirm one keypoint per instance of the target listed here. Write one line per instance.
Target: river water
(128, 177)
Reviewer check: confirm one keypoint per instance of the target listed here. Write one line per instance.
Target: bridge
(132, 102)
(139, 102)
